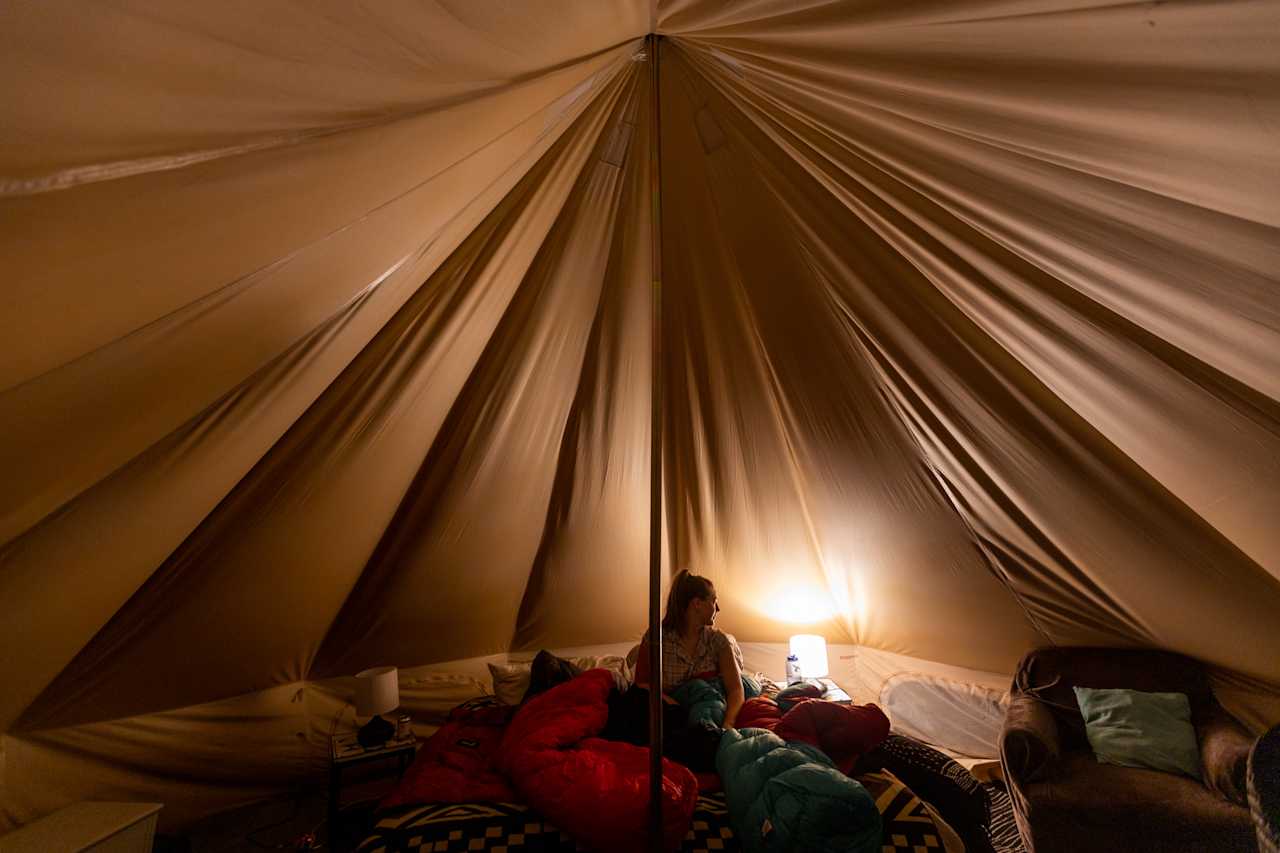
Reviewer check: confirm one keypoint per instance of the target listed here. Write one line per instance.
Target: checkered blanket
(513, 828)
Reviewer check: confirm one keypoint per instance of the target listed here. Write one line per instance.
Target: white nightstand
(96, 827)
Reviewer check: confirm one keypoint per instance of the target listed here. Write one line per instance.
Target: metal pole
(655, 461)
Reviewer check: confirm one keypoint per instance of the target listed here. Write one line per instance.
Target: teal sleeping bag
(789, 798)
(705, 698)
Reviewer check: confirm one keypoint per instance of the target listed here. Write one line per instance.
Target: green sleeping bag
(788, 798)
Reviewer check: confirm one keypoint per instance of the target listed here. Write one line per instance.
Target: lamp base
(375, 733)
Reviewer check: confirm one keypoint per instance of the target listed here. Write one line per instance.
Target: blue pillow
(1135, 729)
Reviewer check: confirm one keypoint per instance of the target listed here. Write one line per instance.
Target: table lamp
(811, 650)
(377, 692)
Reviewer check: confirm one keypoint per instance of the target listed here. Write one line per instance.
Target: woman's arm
(732, 677)
(642, 671)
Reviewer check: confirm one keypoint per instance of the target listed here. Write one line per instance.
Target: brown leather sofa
(1264, 790)
(1065, 800)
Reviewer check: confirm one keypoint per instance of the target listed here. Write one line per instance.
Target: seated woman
(691, 645)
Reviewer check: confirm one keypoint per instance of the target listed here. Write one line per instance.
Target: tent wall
(465, 384)
(1078, 331)
(784, 453)
(325, 344)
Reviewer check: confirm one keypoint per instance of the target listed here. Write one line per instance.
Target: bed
(506, 825)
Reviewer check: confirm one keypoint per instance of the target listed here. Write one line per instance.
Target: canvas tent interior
(327, 344)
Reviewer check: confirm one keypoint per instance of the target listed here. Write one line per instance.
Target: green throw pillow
(1135, 729)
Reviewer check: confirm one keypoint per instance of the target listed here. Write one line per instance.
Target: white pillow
(511, 680)
(616, 664)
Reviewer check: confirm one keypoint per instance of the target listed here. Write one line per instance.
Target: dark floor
(280, 824)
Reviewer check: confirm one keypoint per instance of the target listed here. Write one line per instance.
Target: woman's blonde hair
(685, 587)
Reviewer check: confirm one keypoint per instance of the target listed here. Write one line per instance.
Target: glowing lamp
(811, 650)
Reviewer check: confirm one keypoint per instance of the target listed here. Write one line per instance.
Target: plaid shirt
(678, 666)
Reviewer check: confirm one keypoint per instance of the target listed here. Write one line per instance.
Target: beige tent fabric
(334, 480)
(101, 91)
(794, 478)
(1060, 459)
(326, 344)
(1116, 186)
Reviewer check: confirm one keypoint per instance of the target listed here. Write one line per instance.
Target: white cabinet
(96, 827)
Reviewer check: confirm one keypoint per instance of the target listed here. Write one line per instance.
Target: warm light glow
(860, 600)
(799, 605)
(812, 652)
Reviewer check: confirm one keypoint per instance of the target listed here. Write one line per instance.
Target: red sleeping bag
(843, 732)
(759, 713)
(457, 764)
(596, 790)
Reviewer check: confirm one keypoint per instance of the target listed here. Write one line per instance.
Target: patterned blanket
(909, 826)
(514, 828)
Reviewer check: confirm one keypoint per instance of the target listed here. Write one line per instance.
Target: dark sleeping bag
(692, 744)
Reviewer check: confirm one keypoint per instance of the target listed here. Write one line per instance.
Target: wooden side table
(345, 751)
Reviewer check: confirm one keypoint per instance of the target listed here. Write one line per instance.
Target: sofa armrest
(1029, 742)
(1224, 756)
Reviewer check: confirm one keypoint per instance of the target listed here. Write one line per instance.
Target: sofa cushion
(1050, 674)
(1136, 729)
(1225, 745)
(1127, 808)
(1264, 790)
(1043, 717)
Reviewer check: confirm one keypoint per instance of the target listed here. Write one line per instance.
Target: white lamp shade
(377, 691)
(811, 650)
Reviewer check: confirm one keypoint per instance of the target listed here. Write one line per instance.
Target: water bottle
(793, 670)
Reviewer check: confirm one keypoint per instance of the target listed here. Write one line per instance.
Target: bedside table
(345, 751)
(835, 693)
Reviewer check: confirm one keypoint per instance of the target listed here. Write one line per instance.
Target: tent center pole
(654, 41)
